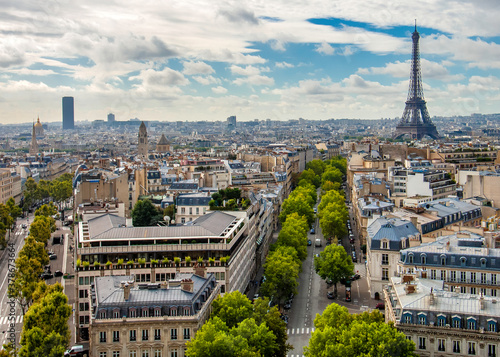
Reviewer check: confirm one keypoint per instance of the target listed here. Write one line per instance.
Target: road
(312, 300)
(16, 240)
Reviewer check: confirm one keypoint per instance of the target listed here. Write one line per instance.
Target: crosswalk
(295, 355)
(300, 331)
(4, 320)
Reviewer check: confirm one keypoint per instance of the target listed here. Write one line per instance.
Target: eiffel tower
(416, 121)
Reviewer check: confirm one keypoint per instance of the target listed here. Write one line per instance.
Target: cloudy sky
(206, 60)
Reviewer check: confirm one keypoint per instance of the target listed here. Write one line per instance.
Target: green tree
(232, 308)
(213, 340)
(41, 228)
(294, 234)
(37, 344)
(332, 174)
(30, 193)
(14, 210)
(333, 221)
(340, 334)
(169, 211)
(310, 177)
(61, 190)
(333, 263)
(299, 205)
(46, 322)
(318, 166)
(281, 270)
(340, 163)
(145, 214)
(307, 190)
(46, 210)
(328, 186)
(29, 265)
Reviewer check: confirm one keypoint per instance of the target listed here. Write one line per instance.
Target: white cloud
(257, 80)
(325, 49)
(207, 80)
(191, 68)
(219, 90)
(246, 71)
(284, 65)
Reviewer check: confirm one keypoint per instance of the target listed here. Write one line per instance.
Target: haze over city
(200, 60)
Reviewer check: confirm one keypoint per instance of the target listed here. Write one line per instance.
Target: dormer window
(410, 258)
(385, 244)
(423, 259)
(463, 261)
(483, 262)
(443, 259)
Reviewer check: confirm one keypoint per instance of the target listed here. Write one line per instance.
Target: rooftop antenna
(415, 25)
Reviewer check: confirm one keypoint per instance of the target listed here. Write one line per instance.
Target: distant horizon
(205, 60)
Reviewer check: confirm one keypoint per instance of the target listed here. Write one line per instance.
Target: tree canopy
(333, 263)
(253, 330)
(340, 334)
(145, 214)
(293, 233)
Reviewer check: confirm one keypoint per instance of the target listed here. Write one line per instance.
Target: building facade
(68, 111)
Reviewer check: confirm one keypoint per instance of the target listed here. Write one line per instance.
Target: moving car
(58, 273)
(46, 276)
(24, 226)
(77, 351)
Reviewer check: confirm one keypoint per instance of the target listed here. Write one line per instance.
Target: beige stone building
(148, 319)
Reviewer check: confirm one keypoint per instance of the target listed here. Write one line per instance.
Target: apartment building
(190, 206)
(386, 238)
(442, 323)
(223, 242)
(466, 262)
(148, 319)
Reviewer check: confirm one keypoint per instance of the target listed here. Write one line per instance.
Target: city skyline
(206, 61)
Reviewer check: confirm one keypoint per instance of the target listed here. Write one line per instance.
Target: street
(312, 295)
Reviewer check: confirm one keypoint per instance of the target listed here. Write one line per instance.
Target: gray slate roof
(392, 229)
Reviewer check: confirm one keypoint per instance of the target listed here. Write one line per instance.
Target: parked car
(331, 295)
(309, 242)
(348, 293)
(351, 240)
(380, 306)
(53, 256)
(355, 277)
(312, 231)
(77, 351)
(354, 258)
(24, 226)
(255, 297)
(46, 276)
(58, 273)
(288, 305)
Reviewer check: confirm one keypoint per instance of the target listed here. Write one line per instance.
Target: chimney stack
(481, 302)
(164, 285)
(414, 221)
(431, 298)
(126, 291)
(187, 285)
(200, 270)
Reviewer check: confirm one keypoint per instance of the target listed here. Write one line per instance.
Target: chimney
(431, 298)
(187, 285)
(126, 291)
(164, 285)
(200, 270)
(414, 221)
(481, 302)
(128, 222)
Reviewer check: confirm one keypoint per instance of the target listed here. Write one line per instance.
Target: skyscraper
(111, 118)
(68, 110)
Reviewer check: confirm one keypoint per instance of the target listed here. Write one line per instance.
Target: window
(433, 274)
(84, 293)
(472, 348)
(116, 314)
(157, 334)
(463, 276)
(407, 319)
(102, 354)
(102, 314)
(183, 210)
(133, 335)
(456, 346)
(473, 277)
(385, 274)
(443, 260)
(482, 291)
(421, 343)
(385, 244)
(463, 261)
(422, 319)
(408, 338)
(145, 313)
(173, 353)
(493, 292)
(441, 344)
(456, 322)
(84, 306)
(410, 258)
(492, 351)
(453, 275)
(132, 353)
(471, 324)
(132, 313)
(483, 278)
(157, 353)
(186, 311)
(84, 320)
(492, 326)
(385, 259)
(116, 336)
(145, 335)
(145, 353)
(483, 262)
(102, 336)
(116, 353)
(463, 289)
(187, 334)
(173, 334)
(441, 321)
(493, 279)
(183, 220)
(443, 274)
(423, 259)
(473, 290)
(157, 312)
